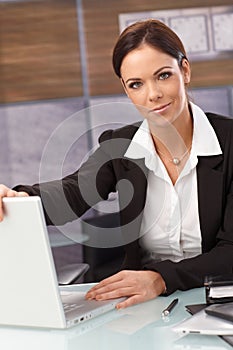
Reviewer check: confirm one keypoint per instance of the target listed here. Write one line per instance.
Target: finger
(113, 283)
(116, 293)
(111, 287)
(3, 193)
(114, 278)
(7, 192)
(132, 300)
(1, 211)
(11, 193)
(22, 194)
(107, 281)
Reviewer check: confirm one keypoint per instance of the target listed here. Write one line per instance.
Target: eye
(164, 75)
(135, 85)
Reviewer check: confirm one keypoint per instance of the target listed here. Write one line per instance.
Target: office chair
(103, 261)
(71, 273)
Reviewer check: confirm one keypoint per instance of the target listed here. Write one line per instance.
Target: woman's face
(155, 83)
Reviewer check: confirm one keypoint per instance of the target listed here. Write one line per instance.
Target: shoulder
(116, 142)
(217, 120)
(126, 132)
(223, 125)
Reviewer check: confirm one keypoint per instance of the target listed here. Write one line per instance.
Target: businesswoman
(173, 173)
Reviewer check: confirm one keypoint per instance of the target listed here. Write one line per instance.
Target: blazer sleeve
(67, 199)
(191, 273)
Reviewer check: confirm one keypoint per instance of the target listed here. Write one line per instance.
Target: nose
(154, 91)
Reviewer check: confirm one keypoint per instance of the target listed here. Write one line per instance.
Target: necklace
(176, 161)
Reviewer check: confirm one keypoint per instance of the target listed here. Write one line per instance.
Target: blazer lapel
(210, 187)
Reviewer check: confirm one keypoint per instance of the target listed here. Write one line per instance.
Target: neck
(175, 138)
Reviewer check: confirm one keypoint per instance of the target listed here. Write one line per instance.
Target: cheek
(177, 91)
(142, 110)
(139, 101)
(138, 98)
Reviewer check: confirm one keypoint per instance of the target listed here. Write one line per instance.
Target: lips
(161, 108)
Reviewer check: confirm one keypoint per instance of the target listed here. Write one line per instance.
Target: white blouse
(170, 226)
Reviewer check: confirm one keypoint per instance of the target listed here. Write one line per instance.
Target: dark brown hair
(151, 32)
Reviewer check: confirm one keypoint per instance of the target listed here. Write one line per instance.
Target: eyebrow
(155, 73)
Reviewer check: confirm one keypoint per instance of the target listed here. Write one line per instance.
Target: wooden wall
(40, 59)
(39, 51)
(102, 29)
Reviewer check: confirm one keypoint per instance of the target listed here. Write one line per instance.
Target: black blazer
(107, 170)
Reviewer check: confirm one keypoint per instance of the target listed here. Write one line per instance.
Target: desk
(134, 328)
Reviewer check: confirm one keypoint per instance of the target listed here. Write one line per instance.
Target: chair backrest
(104, 250)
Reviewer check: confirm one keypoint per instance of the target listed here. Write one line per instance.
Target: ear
(123, 84)
(186, 71)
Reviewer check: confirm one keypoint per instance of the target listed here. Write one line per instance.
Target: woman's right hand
(8, 192)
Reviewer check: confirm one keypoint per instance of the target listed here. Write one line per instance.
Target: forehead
(146, 58)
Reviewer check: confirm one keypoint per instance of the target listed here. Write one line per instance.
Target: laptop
(29, 293)
(202, 323)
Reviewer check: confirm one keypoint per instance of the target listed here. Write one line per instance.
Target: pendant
(175, 161)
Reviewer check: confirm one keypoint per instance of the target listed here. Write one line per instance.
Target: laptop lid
(29, 293)
(201, 323)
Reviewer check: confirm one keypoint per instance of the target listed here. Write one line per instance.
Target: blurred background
(55, 60)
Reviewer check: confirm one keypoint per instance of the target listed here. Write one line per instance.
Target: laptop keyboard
(72, 300)
(70, 307)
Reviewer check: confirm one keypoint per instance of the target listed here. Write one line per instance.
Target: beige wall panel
(102, 30)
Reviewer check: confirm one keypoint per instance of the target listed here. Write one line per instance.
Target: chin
(157, 120)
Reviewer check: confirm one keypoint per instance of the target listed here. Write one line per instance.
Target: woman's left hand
(137, 286)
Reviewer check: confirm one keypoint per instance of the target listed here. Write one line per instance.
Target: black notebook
(224, 311)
